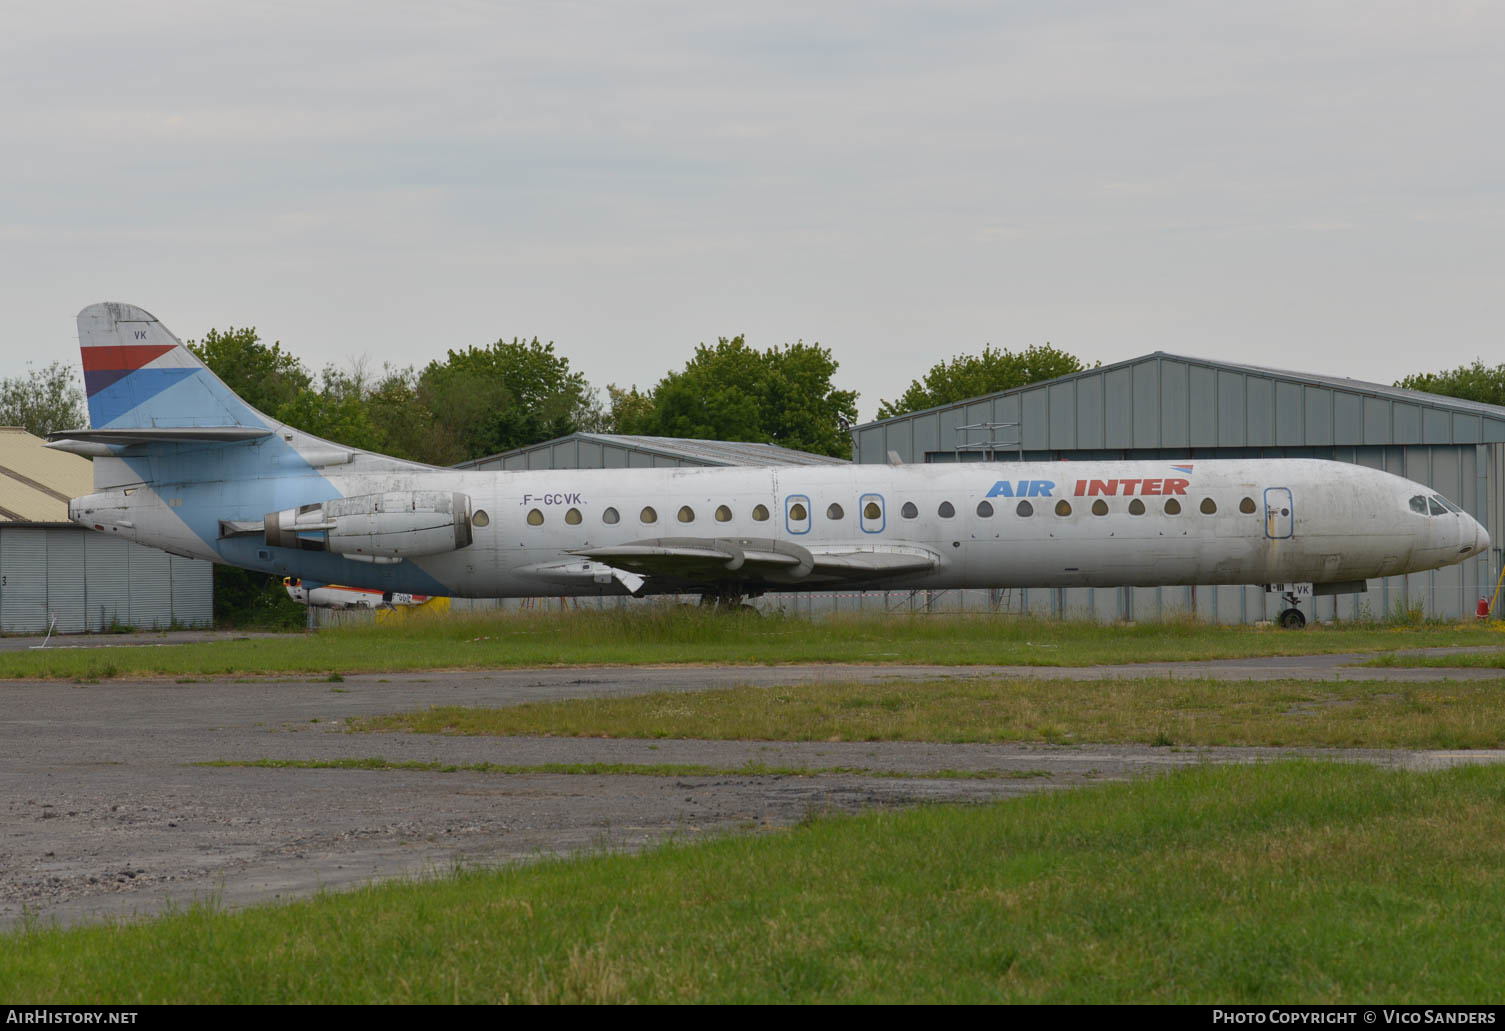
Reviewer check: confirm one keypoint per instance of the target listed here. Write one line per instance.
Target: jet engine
(382, 528)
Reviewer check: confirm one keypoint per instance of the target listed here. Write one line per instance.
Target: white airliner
(183, 464)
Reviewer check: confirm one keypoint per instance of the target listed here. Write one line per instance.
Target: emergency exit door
(1280, 517)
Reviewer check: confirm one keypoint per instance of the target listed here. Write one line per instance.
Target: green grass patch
(1303, 882)
(686, 634)
(1466, 660)
(750, 769)
(1156, 711)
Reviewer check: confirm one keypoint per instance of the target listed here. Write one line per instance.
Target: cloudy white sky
(1314, 185)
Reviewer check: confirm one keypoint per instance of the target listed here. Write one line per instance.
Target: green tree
(783, 396)
(1476, 382)
(44, 400)
(488, 399)
(265, 377)
(966, 376)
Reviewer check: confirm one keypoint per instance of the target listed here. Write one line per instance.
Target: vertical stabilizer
(138, 375)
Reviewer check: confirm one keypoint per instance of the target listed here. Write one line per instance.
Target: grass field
(1316, 883)
(750, 769)
(679, 634)
(1472, 660)
(1157, 711)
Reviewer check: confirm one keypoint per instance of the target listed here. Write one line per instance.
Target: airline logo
(1146, 486)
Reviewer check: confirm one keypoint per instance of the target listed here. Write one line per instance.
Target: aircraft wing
(682, 561)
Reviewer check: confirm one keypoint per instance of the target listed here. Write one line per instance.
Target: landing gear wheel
(1292, 619)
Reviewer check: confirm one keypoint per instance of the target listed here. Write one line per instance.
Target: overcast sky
(1316, 185)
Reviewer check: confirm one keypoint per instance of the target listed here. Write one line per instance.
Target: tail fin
(138, 376)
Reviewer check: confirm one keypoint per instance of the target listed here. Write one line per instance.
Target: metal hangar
(1168, 406)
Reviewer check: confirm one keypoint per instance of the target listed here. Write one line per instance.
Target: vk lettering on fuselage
(552, 499)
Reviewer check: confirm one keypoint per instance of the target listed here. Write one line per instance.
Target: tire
(1292, 619)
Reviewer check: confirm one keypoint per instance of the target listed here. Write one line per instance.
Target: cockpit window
(1419, 504)
(1447, 504)
(1436, 506)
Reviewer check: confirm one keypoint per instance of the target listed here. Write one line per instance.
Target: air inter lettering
(1022, 489)
(1128, 488)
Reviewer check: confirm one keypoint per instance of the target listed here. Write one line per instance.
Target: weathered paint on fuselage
(1344, 522)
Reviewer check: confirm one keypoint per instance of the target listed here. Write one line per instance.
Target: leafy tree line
(1476, 382)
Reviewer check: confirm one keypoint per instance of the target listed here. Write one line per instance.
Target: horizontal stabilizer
(160, 435)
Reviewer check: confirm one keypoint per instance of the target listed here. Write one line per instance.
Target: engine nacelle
(385, 527)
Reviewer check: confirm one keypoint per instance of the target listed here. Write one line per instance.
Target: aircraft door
(797, 514)
(1280, 513)
(870, 507)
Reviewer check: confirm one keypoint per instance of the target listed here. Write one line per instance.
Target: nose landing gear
(1291, 618)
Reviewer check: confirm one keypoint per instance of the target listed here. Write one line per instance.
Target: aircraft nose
(1481, 538)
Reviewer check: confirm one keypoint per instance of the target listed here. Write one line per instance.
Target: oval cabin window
(835, 512)
(610, 516)
(535, 517)
(648, 515)
(1099, 507)
(1246, 506)
(909, 511)
(797, 513)
(1025, 509)
(480, 518)
(686, 514)
(1209, 506)
(723, 514)
(945, 511)
(572, 517)
(1136, 507)
(1172, 506)
(985, 509)
(872, 511)
(1063, 507)
(760, 513)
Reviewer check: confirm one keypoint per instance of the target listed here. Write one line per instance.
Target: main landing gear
(730, 598)
(1291, 618)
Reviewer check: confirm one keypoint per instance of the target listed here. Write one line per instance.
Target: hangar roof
(621, 451)
(1164, 400)
(36, 481)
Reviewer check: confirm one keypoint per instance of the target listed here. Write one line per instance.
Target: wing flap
(758, 560)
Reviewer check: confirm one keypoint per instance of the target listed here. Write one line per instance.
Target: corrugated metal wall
(1162, 406)
(89, 581)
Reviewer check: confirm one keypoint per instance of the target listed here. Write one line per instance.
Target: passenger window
(872, 511)
(480, 518)
(686, 514)
(797, 513)
(1172, 506)
(535, 517)
(985, 509)
(1246, 506)
(610, 516)
(648, 515)
(1209, 506)
(1136, 507)
(1063, 507)
(1025, 509)
(945, 511)
(1419, 505)
(723, 514)
(1099, 507)
(835, 512)
(572, 517)
(909, 511)
(760, 513)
